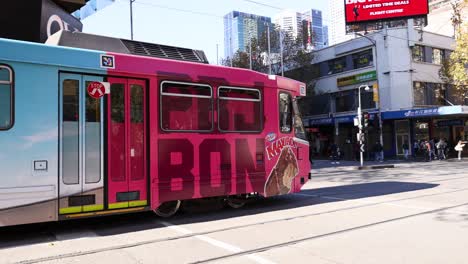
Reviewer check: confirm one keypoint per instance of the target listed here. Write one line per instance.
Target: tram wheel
(168, 209)
(235, 202)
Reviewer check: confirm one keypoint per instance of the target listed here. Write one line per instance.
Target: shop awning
(426, 112)
(332, 120)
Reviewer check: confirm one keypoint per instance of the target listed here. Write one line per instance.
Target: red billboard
(371, 10)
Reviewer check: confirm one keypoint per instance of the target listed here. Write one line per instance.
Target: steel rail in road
(247, 252)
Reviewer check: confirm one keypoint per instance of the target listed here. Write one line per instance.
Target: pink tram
(164, 128)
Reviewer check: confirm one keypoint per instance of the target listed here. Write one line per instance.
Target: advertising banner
(371, 10)
(358, 78)
(54, 18)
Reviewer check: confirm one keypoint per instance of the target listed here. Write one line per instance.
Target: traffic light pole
(360, 125)
(361, 143)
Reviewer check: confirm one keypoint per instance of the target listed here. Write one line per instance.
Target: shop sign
(445, 123)
(320, 121)
(358, 78)
(412, 113)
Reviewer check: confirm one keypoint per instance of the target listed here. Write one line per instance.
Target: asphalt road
(414, 213)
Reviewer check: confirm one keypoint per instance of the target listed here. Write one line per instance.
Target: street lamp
(359, 113)
(379, 104)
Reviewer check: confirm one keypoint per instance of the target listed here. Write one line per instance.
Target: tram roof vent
(95, 42)
(163, 51)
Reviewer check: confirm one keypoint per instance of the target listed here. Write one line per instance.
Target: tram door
(126, 135)
(80, 146)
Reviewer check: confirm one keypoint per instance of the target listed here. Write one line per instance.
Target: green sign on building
(358, 78)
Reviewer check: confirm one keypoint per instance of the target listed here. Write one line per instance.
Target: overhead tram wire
(175, 9)
(221, 17)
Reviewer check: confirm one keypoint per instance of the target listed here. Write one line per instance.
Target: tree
(293, 53)
(454, 71)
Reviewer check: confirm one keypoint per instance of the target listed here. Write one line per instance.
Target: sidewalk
(353, 165)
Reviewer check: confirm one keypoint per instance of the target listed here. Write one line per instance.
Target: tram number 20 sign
(98, 89)
(358, 11)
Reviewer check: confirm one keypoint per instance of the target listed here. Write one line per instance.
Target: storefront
(448, 122)
(342, 131)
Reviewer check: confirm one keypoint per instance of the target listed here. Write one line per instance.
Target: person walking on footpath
(441, 145)
(335, 153)
(459, 148)
(405, 148)
(378, 152)
(415, 148)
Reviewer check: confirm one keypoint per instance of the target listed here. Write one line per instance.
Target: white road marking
(217, 243)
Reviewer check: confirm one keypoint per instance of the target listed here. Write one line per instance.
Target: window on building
(437, 56)
(346, 101)
(363, 59)
(337, 65)
(186, 107)
(418, 53)
(419, 93)
(6, 97)
(439, 94)
(285, 112)
(240, 109)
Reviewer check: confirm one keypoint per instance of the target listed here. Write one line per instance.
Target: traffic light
(365, 119)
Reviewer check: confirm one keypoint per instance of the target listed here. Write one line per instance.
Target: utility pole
(217, 58)
(269, 52)
(131, 19)
(379, 104)
(250, 51)
(281, 51)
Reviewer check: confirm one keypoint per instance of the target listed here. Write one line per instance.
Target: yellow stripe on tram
(94, 207)
(138, 203)
(70, 210)
(118, 205)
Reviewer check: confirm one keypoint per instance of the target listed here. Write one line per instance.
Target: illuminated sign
(370, 10)
(358, 78)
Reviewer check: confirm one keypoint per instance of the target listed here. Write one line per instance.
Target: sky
(184, 23)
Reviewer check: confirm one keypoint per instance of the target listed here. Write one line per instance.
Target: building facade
(240, 28)
(401, 66)
(289, 21)
(337, 25)
(313, 29)
(440, 16)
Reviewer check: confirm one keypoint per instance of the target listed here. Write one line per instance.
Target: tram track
(184, 236)
(305, 239)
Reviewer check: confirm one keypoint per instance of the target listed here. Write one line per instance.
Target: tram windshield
(297, 120)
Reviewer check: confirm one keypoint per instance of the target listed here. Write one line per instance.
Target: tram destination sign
(358, 11)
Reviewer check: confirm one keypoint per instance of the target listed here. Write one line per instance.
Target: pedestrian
(415, 149)
(405, 148)
(335, 153)
(432, 150)
(441, 145)
(378, 152)
(459, 148)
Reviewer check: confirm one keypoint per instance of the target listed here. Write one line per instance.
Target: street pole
(131, 19)
(250, 52)
(361, 136)
(217, 58)
(359, 112)
(281, 51)
(269, 60)
(378, 105)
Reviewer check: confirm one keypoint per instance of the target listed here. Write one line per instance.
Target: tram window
(93, 139)
(186, 107)
(285, 112)
(70, 132)
(240, 109)
(6, 97)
